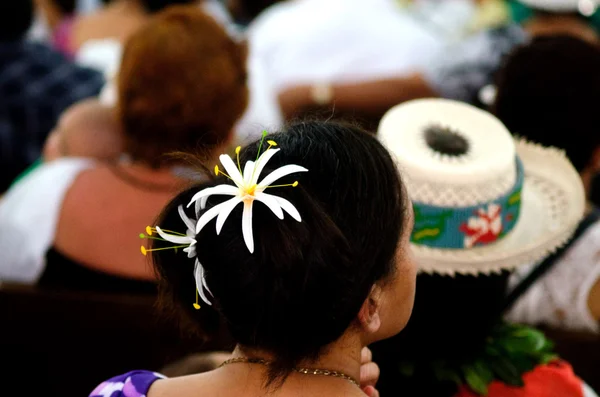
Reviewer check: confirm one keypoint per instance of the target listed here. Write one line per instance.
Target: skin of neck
(343, 355)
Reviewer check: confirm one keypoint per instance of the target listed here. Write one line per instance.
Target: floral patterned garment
(132, 384)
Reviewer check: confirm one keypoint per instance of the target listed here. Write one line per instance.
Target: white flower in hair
(186, 241)
(247, 189)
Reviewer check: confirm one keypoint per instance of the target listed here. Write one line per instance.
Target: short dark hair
(549, 91)
(248, 10)
(16, 18)
(158, 5)
(452, 318)
(306, 281)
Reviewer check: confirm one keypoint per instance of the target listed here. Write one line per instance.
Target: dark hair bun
(306, 281)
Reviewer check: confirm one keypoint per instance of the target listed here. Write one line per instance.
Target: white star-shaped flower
(247, 190)
(190, 240)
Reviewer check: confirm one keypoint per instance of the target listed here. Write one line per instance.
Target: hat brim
(552, 205)
(553, 5)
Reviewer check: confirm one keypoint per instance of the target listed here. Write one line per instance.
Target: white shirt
(559, 298)
(29, 214)
(308, 41)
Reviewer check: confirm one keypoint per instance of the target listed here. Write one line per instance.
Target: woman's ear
(368, 316)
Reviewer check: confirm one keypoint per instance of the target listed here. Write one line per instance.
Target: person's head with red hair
(181, 86)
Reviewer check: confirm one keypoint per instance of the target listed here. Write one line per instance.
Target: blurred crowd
(111, 110)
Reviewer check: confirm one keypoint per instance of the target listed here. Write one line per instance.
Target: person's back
(547, 92)
(476, 195)
(89, 211)
(333, 40)
(99, 218)
(36, 86)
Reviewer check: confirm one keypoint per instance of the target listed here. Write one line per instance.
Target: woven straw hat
(483, 201)
(586, 7)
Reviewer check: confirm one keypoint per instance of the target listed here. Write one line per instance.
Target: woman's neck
(343, 356)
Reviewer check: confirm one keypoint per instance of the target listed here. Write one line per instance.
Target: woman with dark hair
(319, 268)
(182, 87)
(116, 21)
(548, 92)
(484, 205)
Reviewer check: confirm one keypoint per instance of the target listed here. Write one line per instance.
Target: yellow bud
(295, 184)
(143, 249)
(217, 170)
(196, 306)
(238, 149)
(272, 143)
(148, 230)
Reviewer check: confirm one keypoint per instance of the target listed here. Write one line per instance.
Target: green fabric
(35, 165)
(519, 12)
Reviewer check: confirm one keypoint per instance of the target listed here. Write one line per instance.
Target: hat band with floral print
(468, 227)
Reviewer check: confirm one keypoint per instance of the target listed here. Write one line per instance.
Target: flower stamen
(196, 305)
(286, 185)
(145, 251)
(151, 230)
(219, 172)
(237, 153)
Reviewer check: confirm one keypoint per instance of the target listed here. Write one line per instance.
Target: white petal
(200, 282)
(225, 211)
(191, 225)
(271, 202)
(248, 169)
(206, 285)
(227, 190)
(211, 214)
(280, 173)
(172, 238)
(289, 208)
(201, 204)
(247, 225)
(261, 162)
(231, 169)
(191, 250)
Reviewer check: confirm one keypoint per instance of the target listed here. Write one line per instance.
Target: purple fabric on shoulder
(132, 384)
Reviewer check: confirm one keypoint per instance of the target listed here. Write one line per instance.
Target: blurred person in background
(548, 92)
(86, 129)
(117, 20)
(461, 72)
(338, 41)
(465, 175)
(36, 85)
(74, 222)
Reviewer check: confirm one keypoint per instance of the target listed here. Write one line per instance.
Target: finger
(366, 356)
(370, 391)
(369, 374)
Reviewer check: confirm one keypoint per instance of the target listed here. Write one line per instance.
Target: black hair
(248, 10)
(153, 6)
(16, 18)
(66, 6)
(451, 320)
(548, 92)
(305, 282)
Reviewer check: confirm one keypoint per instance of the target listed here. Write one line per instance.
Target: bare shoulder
(205, 384)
